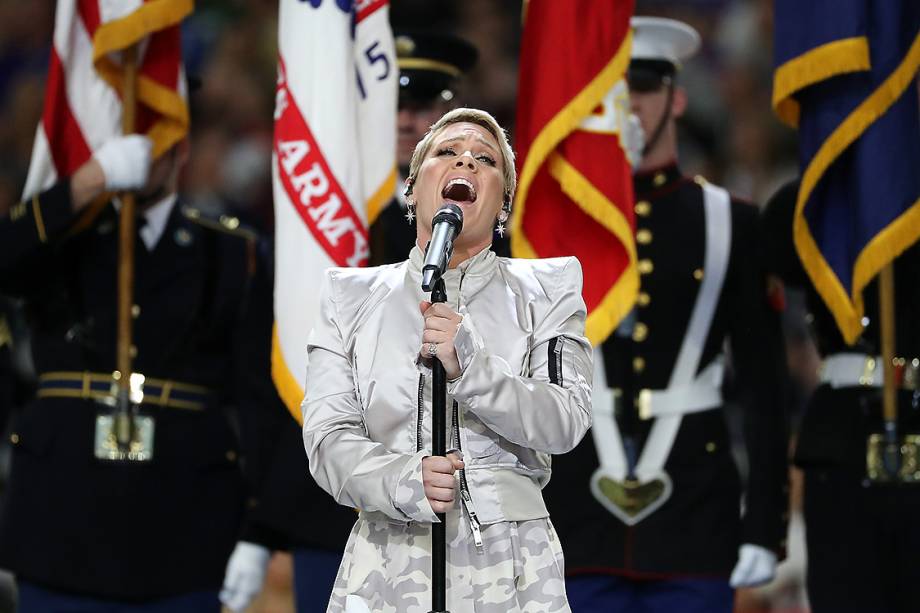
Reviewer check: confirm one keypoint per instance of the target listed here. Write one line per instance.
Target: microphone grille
(452, 214)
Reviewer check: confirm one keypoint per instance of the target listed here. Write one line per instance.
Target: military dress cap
(430, 64)
(659, 47)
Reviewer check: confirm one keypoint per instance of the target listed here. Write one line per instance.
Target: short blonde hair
(480, 118)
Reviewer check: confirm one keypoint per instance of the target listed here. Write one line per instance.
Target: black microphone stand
(438, 448)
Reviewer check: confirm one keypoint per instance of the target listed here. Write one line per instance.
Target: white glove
(125, 161)
(244, 576)
(633, 140)
(756, 566)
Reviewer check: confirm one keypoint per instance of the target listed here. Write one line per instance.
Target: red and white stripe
(81, 110)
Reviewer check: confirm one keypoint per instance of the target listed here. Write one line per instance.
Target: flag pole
(123, 422)
(891, 457)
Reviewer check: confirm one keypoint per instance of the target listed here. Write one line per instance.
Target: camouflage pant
(519, 568)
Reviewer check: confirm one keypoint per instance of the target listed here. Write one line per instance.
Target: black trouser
(863, 544)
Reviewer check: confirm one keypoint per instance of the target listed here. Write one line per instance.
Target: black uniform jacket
(698, 530)
(837, 422)
(203, 317)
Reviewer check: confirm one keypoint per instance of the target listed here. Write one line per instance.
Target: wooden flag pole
(123, 422)
(889, 391)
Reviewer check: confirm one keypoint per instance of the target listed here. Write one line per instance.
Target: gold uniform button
(698, 274)
(643, 208)
(135, 311)
(643, 299)
(645, 266)
(659, 179)
(231, 223)
(638, 364)
(231, 456)
(640, 332)
(644, 237)
(710, 447)
(14, 438)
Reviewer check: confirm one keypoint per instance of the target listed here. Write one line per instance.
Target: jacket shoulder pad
(551, 274)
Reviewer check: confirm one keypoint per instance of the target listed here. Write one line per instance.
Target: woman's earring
(502, 218)
(410, 203)
(410, 211)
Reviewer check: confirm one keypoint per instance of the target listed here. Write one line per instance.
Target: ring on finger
(431, 349)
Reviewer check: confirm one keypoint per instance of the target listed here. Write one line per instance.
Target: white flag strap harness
(633, 500)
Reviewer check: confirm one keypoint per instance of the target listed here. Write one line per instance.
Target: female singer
(511, 339)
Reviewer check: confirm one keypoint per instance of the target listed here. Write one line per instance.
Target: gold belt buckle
(140, 446)
(140, 449)
(903, 465)
(630, 500)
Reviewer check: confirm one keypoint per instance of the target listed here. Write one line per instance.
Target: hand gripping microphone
(445, 227)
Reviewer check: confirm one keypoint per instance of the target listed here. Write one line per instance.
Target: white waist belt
(701, 394)
(852, 370)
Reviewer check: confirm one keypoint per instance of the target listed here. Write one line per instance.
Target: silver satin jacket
(524, 392)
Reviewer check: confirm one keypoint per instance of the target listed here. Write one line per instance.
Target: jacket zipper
(465, 497)
(421, 413)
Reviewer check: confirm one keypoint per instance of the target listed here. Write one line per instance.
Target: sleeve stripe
(554, 364)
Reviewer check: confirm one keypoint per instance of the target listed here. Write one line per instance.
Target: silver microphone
(445, 227)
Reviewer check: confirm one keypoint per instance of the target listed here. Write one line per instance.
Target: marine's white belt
(852, 370)
(701, 394)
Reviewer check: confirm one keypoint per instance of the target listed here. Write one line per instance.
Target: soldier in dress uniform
(650, 506)
(87, 526)
(430, 68)
(862, 533)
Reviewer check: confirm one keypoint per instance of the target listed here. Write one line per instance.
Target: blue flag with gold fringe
(846, 77)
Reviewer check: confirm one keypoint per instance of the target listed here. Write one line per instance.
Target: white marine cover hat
(662, 39)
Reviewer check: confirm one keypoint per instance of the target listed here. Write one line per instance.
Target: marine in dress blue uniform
(649, 507)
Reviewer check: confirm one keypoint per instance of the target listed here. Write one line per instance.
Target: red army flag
(575, 183)
(83, 104)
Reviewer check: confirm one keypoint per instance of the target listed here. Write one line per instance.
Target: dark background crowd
(729, 134)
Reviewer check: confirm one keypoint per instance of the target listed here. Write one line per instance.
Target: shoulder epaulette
(225, 223)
